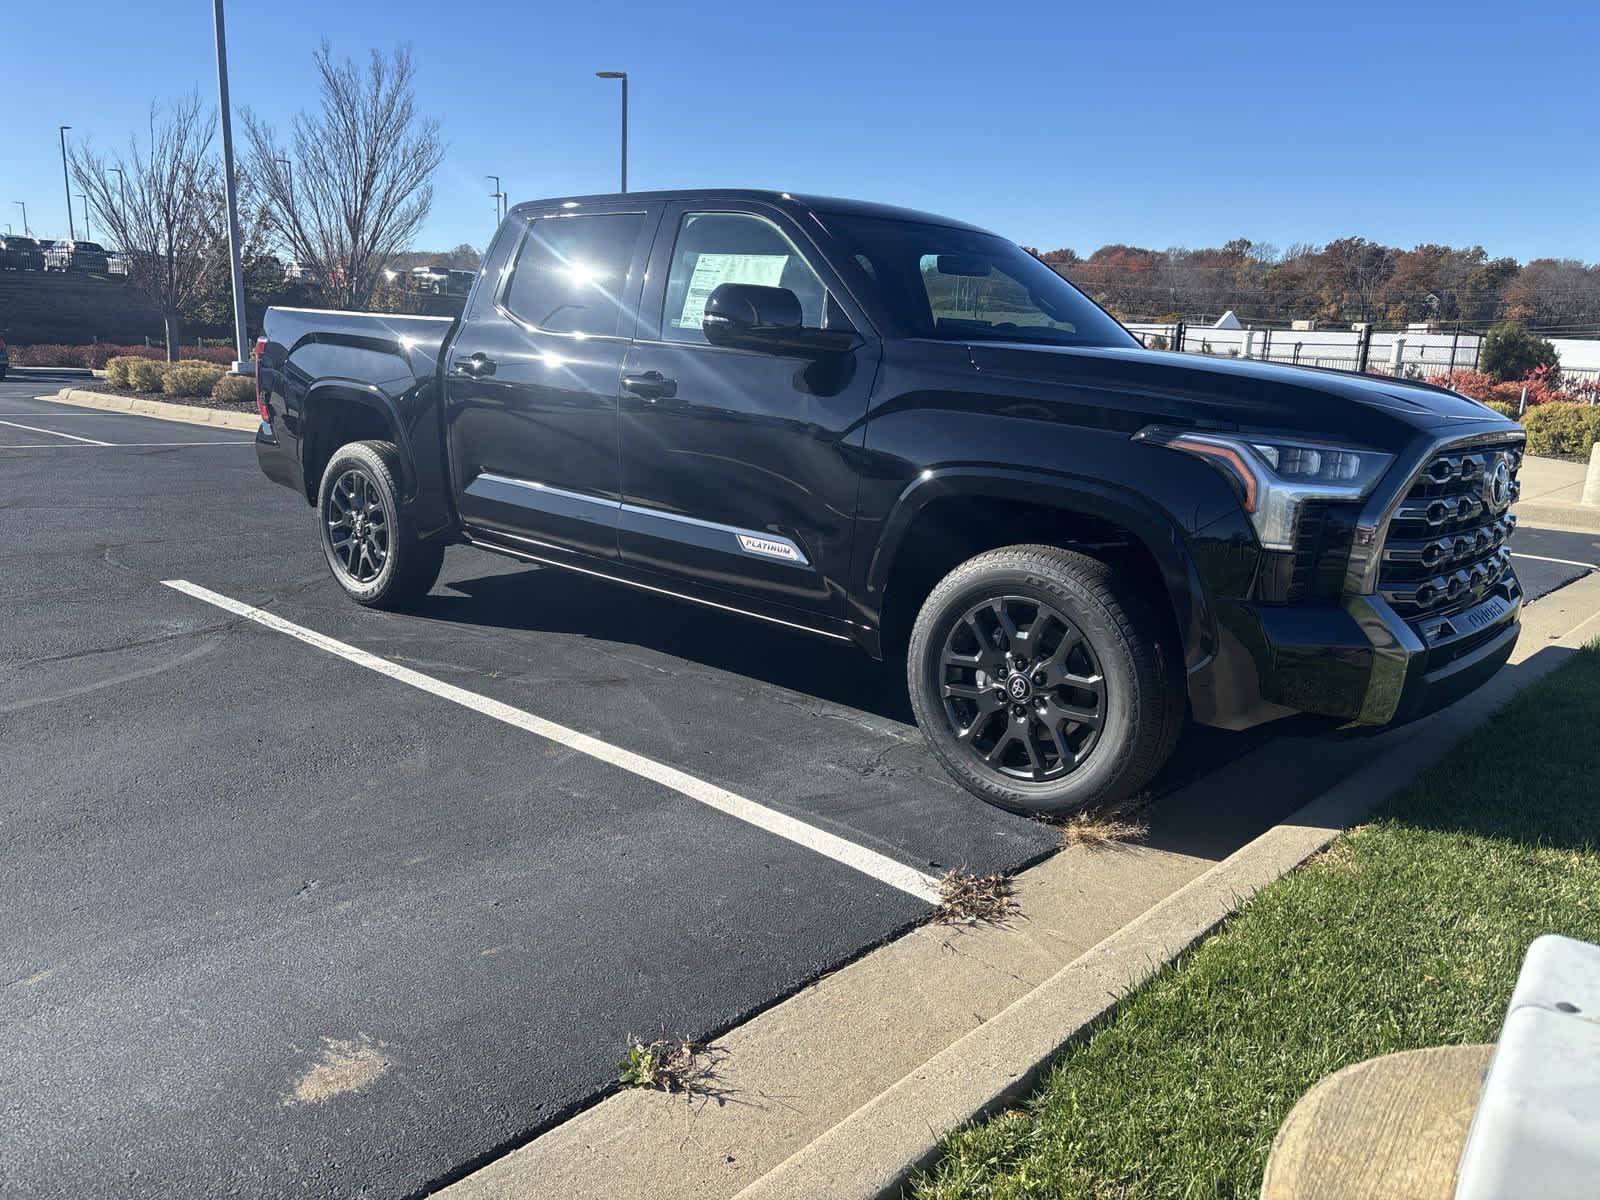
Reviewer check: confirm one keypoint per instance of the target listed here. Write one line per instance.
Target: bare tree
(165, 208)
(359, 187)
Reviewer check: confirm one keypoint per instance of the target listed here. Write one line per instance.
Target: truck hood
(1230, 392)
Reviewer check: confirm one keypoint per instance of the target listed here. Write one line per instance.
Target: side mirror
(748, 316)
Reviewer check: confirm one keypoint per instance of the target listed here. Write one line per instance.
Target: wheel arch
(338, 412)
(948, 515)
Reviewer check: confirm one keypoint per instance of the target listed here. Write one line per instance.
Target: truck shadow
(1196, 786)
(550, 601)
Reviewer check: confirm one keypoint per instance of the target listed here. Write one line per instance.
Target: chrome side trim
(486, 544)
(542, 489)
(751, 541)
(754, 542)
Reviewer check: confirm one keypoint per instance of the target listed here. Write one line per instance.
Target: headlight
(1275, 476)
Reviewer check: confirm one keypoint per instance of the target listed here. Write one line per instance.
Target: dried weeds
(968, 899)
(673, 1065)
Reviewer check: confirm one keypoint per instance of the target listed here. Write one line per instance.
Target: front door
(532, 376)
(737, 466)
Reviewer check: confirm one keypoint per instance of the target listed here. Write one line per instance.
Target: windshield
(963, 285)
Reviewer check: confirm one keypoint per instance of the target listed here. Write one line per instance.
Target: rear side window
(715, 248)
(570, 272)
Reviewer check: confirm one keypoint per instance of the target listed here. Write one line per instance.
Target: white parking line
(868, 862)
(53, 433)
(110, 445)
(1565, 562)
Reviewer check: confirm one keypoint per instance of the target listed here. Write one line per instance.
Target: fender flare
(368, 396)
(1152, 527)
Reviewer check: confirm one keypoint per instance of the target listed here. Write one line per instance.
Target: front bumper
(1360, 663)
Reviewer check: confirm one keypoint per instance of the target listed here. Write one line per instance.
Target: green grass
(1407, 933)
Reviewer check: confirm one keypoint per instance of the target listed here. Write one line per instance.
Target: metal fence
(1402, 353)
(1406, 353)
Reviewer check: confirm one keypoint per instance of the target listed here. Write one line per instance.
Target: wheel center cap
(1019, 687)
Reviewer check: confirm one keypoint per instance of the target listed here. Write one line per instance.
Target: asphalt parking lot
(281, 922)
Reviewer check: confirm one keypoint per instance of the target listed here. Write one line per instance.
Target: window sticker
(712, 270)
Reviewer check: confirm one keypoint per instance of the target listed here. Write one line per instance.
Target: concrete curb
(191, 414)
(1543, 515)
(872, 1152)
(75, 372)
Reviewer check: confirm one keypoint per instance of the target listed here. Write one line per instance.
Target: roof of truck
(790, 200)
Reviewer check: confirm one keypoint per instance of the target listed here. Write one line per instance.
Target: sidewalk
(1551, 491)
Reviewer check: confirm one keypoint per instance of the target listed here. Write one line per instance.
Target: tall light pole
(242, 364)
(122, 198)
(65, 186)
(622, 75)
(499, 198)
(87, 235)
(288, 171)
(26, 232)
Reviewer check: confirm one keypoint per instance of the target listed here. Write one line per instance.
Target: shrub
(191, 378)
(144, 374)
(117, 370)
(1505, 410)
(1512, 352)
(1561, 427)
(96, 356)
(235, 389)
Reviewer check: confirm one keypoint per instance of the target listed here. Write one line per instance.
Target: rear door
(740, 466)
(531, 379)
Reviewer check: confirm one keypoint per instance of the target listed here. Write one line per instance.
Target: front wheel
(371, 547)
(1043, 683)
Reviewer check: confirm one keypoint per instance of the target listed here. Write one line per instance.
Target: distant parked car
(21, 254)
(5, 360)
(301, 272)
(460, 283)
(431, 280)
(70, 255)
(116, 263)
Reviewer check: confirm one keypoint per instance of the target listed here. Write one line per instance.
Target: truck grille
(1446, 548)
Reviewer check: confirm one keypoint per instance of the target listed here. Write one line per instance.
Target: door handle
(652, 385)
(475, 365)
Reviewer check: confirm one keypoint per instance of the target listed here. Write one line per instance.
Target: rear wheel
(370, 546)
(1041, 681)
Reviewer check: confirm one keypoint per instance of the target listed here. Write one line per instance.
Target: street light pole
(65, 186)
(26, 232)
(122, 200)
(499, 197)
(622, 75)
(242, 364)
(288, 170)
(88, 235)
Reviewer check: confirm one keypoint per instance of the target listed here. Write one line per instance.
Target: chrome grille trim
(1444, 547)
(1372, 527)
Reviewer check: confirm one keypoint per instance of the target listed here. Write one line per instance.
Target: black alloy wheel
(1022, 688)
(358, 525)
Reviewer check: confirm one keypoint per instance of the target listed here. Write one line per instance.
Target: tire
(380, 563)
(1090, 647)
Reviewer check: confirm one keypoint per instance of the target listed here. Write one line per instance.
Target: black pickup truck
(898, 430)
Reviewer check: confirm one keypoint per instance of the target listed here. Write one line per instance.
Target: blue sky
(1057, 124)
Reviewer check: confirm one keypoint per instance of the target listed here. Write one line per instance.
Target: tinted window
(716, 248)
(570, 272)
(966, 285)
